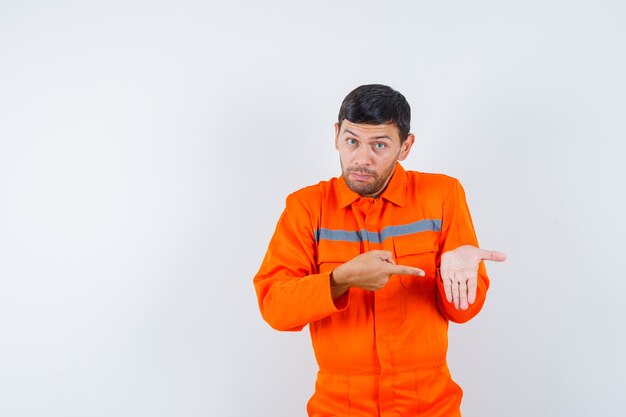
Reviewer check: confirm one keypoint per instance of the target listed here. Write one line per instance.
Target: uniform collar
(394, 192)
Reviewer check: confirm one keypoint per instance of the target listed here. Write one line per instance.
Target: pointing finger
(407, 270)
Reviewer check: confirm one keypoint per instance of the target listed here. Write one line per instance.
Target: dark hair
(377, 104)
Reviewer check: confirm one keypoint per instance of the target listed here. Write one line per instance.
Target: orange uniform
(380, 353)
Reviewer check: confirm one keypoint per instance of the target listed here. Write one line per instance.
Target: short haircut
(377, 104)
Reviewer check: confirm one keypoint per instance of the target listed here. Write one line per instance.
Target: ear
(337, 135)
(406, 147)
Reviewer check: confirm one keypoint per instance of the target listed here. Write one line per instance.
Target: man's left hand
(459, 272)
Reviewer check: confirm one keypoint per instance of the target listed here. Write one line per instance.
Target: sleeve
(457, 230)
(289, 290)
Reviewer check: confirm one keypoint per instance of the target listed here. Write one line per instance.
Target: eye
(351, 141)
(379, 146)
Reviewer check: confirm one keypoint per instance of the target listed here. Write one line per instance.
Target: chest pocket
(420, 251)
(332, 254)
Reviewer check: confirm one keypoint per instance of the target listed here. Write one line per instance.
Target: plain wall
(146, 149)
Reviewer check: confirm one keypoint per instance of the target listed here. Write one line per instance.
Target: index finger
(406, 270)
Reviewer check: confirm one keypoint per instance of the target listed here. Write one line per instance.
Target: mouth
(357, 176)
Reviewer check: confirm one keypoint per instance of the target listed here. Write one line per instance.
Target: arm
(289, 290)
(462, 278)
(292, 294)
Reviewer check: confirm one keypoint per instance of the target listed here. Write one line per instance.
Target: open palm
(459, 273)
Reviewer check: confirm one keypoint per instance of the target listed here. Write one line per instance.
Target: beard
(375, 187)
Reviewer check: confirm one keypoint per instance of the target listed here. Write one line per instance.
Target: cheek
(345, 156)
(386, 165)
(383, 159)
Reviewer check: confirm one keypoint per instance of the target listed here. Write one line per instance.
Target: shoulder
(313, 195)
(428, 181)
(306, 204)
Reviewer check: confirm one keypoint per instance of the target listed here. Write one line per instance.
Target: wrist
(338, 286)
(338, 278)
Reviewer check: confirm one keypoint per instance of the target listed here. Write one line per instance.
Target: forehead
(367, 131)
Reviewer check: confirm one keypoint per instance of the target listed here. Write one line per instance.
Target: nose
(362, 156)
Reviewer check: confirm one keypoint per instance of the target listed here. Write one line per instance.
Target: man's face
(368, 155)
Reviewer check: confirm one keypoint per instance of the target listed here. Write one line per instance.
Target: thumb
(489, 255)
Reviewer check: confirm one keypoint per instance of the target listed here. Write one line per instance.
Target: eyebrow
(375, 137)
(350, 132)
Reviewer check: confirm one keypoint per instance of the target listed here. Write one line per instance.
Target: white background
(146, 149)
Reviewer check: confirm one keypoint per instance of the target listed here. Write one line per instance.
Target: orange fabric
(383, 352)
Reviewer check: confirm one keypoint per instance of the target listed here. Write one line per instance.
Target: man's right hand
(370, 271)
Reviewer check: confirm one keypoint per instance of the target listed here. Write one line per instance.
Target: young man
(376, 262)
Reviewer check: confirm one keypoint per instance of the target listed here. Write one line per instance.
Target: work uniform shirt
(379, 352)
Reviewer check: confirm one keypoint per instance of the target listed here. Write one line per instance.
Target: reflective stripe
(337, 235)
(378, 237)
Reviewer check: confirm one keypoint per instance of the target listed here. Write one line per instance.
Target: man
(376, 262)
